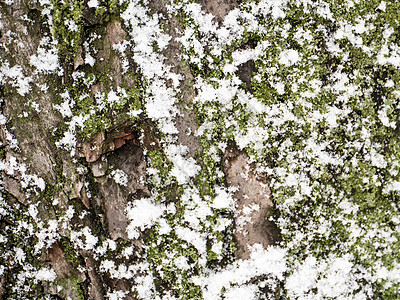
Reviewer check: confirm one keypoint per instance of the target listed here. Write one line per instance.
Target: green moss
(2, 151)
(71, 284)
(68, 40)
(172, 279)
(160, 162)
(70, 253)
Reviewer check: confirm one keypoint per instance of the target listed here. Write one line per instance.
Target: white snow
(93, 3)
(46, 59)
(90, 60)
(223, 199)
(289, 57)
(160, 103)
(45, 274)
(143, 214)
(18, 79)
(184, 168)
(248, 292)
(116, 295)
(120, 177)
(271, 261)
(65, 107)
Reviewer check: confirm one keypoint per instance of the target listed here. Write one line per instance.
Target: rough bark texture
(85, 181)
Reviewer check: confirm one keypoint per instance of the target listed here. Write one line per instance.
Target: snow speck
(271, 261)
(65, 107)
(91, 240)
(120, 177)
(93, 3)
(116, 295)
(242, 292)
(89, 60)
(184, 168)
(17, 77)
(143, 214)
(19, 255)
(71, 25)
(223, 199)
(45, 60)
(382, 6)
(46, 274)
(289, 57)
(160, 104)
(68, 141)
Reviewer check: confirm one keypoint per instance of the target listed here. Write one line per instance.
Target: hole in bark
(245, 72)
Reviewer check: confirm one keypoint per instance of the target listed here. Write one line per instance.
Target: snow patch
(143, 214)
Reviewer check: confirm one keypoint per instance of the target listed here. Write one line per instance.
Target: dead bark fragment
(104, 142)
(65, 273)
(58, 262)
(254, 203)
(96, 290)
(14, 188)
(99, 168)
(130, 160)
(218, 8)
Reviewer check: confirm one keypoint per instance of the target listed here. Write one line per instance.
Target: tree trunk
(109, 190)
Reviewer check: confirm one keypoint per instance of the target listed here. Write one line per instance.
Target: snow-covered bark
(212, 150)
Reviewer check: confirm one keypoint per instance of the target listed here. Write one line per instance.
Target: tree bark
(86, 190)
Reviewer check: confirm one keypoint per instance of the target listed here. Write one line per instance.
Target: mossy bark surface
(155, 149)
